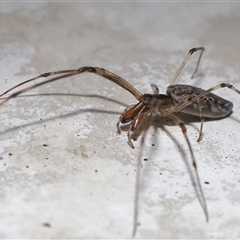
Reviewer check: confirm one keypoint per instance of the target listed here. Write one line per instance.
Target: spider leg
(129, 136)
(200, 194)
(118, 126)
(198, 62)
(68, 73)
(129, 114)
(147, 118)
(136, 126)
(37, 77)
(201, 127)
(155, 88)
(137, 184)
(191, 51)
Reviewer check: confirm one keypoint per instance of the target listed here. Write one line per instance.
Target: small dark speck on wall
(47, 224)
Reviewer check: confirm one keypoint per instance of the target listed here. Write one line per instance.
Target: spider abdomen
(210, 105)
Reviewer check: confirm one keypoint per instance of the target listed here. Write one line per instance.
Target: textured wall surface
(64, 170)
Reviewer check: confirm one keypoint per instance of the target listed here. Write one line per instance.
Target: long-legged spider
(178, 98)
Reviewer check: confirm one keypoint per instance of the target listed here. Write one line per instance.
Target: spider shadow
(157, 122)
(70, 114)
(160, 122)
(70, 95)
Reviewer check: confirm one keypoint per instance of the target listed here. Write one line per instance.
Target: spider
(178, 98)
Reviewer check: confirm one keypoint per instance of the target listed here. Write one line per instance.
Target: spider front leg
(133, 115)
(68, 73)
